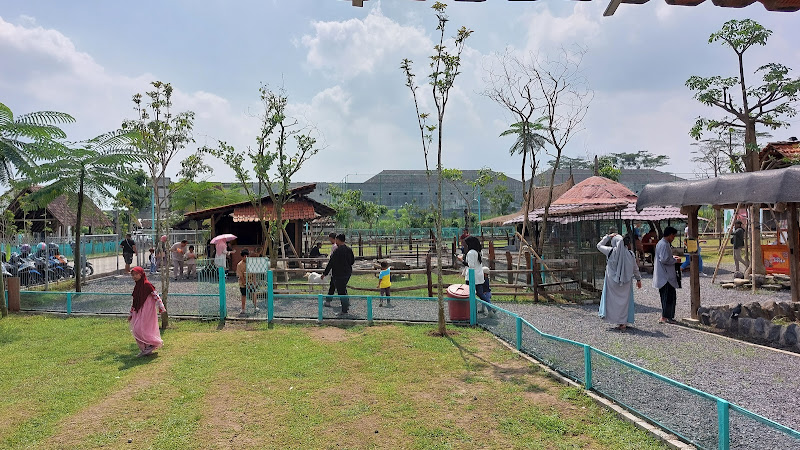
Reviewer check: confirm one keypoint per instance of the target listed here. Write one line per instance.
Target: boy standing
(191, 263)
(241, 272)
(385, 283)
(152, 261)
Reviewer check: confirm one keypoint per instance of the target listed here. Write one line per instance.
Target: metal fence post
(319, 308)
(473, 306)
(270, 297)
(587, 366)
(723, 418)
(519, 332)
(223, 307)
(69, 303)
(369, 310)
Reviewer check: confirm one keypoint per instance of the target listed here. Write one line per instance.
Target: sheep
(314, 278)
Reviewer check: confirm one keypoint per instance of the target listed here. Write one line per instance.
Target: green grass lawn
(75, 383)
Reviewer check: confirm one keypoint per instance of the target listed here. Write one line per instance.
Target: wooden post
(360, 245)
(509, 267)
(694, 265)
(536, 271)
(491, 255)
(428, 273)
(410, 241)
(453, 254)
(794, 254)
(13, 294)
(528, 268)
(380, 253)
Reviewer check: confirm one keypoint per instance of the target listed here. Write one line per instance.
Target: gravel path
(758, 379)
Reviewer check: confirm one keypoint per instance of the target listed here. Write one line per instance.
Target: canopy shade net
(766, 186)
(770, 5)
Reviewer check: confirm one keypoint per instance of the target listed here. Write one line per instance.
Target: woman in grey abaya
(616, 304)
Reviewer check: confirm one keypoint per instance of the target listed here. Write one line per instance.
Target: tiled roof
(780, 150)
(540, 194)
(297, 210)
(597, 191)
(63, 212)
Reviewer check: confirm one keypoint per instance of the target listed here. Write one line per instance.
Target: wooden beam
(794, 254)
(694, 266)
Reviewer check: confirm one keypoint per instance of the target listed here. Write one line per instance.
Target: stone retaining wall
(755, 322)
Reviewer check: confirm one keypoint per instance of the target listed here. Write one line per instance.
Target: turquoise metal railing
(700, 418)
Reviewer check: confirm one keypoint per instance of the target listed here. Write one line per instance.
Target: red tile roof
(597, 191)
(297, 210)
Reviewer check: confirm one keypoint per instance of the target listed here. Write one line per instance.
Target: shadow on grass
(514, 375)
(126, 361)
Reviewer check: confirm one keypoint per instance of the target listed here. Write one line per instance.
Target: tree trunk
(159, 229)
(438, 222)
(753, 165)
(78, 219)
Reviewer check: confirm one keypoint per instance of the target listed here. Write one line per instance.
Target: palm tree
(528, 143)
(27, 139)
(85, 170)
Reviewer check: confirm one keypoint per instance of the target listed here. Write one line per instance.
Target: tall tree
(500, 198)
(510, 85)
(767, 104)
(197, 195)
(445, 66)
(638, 160)
(82, 171)
(470, 189)
(565, 96)
(163, 134)
(275, 162)
(27, 138)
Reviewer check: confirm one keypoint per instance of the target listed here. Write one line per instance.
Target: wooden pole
(428, 274)
(694, 265)
(723, 243)
(509, 268)
(491, 256)
(755, 239)
(794, 262)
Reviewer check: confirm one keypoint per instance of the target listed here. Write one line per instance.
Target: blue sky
(340, 67)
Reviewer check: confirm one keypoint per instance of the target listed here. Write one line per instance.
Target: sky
(340, 67)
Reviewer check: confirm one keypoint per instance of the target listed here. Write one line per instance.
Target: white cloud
(546, 30)
(354, 47)
(50, 73)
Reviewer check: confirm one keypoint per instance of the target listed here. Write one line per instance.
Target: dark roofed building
(633, 179)
(395, 188)
(58, 217)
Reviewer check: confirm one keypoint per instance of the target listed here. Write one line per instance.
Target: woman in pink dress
(144, 313)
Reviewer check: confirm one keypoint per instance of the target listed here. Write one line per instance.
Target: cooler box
(459, 309)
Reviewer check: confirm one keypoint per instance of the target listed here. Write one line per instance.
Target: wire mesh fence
(695, 416)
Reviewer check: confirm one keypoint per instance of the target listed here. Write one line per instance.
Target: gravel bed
(754, 378)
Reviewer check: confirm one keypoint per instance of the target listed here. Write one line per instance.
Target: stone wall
(755, 322)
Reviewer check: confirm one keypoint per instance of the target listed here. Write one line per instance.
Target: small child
(153, 265)
(241, 272)
(191, 263)
(385, 283)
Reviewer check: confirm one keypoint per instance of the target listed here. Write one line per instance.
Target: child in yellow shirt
(385, 283)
